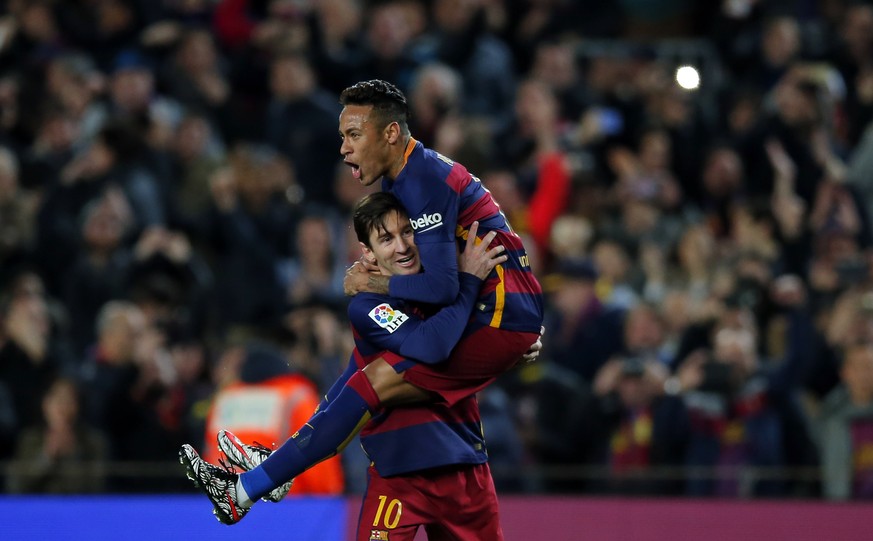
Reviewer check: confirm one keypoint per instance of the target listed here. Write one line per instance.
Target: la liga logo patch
(388, 318)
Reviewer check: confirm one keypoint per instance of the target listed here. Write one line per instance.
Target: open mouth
(356, 170)
(407, 261)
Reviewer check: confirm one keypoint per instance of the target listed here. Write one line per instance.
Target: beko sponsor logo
(426, 222)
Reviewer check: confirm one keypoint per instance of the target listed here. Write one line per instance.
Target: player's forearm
(438, 284)
(435, 338)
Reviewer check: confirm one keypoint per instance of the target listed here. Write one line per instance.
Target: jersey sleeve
(428, 341)
(438, 284)
(433, 206)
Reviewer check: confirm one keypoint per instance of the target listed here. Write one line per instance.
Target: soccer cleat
(218, 483)
(246, 457)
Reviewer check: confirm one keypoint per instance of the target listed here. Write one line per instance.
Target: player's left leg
(392, 508)
(469, 512)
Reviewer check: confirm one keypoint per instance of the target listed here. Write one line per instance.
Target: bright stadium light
(688, 77)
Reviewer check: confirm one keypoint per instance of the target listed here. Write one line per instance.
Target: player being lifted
(429, 461)
(443, 200)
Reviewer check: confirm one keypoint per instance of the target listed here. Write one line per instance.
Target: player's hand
(534, 352)
(369, 265)
(356, 278)
(360, 277)
(477, 259)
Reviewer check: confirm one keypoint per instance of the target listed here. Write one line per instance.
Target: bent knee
(390, 386)
(382, 377)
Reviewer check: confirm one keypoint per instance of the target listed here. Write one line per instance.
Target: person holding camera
(745, 418)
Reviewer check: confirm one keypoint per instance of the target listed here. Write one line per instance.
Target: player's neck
(399, 161)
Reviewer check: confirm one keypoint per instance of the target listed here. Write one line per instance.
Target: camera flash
(688, 77)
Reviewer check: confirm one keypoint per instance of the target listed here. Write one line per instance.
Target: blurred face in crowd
(556, 64)
(454, 15)
(796, 102)
(104, 227)
(857, 374)
(132, 88)
(291, 78)
(192, 137)
(857, 30)
(197, 52)
(29, 291)
(393, 248)
(734, 341)
(644, 329)
(314, 240)
(723, 172)
(121, 325)
(434, 93)
(60, 405)
(781, 41)
(655, 148)
(390, 31)
(536, 107)
(8, 175)
(611, 260)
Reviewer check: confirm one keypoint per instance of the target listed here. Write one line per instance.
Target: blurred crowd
(173, 202)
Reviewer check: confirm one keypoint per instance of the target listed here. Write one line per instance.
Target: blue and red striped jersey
(407, 439)
(443, 199)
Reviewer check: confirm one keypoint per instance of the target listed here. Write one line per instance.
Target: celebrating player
(389, 330)
(444, 201)
(418, 452)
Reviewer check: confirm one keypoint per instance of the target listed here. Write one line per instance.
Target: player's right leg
(219, 484)
(246, 457)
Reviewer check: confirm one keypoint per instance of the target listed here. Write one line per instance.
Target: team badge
(378, 535)
(388, 318)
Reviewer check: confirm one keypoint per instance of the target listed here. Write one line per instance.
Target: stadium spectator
(788, 178)
(583, 332)
(195, 154)
(298, 122)
(392, 33)
(196, 78)
(32, 351)
(265, 404)
(17, 213)
(252, 227)
(62, 454)
(845, 427)
(313, 273)
(631, 426)
(101, 272)
(743, 408)
(127, 374)
(434, 100)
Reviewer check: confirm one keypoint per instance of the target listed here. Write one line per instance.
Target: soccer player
(381, 325)
(443, 200)
(429, 462)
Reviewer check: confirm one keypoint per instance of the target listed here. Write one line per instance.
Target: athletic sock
(324, 435)
(242, 496)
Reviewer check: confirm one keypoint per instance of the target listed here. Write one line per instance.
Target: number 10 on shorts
(392, 511)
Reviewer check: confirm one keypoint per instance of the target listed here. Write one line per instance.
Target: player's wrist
(377, 283)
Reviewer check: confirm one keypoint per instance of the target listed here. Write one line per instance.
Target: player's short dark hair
(389, 103)
(369, 214)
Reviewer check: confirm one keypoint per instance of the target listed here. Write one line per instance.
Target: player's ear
(392, 132)
(368, 253)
